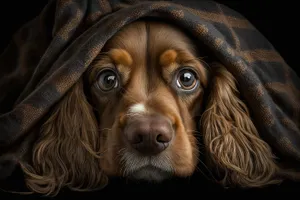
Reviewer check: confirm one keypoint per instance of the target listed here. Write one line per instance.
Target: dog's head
(133, 114)
(146, 89)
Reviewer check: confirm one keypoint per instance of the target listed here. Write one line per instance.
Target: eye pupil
(110, 80)
(107, 80)
(186, 79)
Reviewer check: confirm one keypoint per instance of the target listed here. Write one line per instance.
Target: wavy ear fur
(66, 152)
(231, 139)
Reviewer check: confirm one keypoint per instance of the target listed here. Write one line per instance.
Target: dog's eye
(186, 79)
(107, 80)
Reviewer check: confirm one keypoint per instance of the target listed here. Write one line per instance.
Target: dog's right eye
(107, 80)
(186, 80)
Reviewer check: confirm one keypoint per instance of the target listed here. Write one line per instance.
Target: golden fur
(231, 139)
(80, 144)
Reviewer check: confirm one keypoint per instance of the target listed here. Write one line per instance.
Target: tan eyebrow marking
(120, 57)
(168, 57)
(172, 59)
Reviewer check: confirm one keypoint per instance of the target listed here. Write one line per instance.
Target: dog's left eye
(107, 80)
(186, 79)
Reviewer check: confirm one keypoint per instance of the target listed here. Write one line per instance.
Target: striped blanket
(49, 54)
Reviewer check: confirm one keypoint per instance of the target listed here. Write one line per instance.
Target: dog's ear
(232, 142)
(66, 152)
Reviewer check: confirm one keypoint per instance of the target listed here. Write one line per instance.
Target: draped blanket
(49, 54)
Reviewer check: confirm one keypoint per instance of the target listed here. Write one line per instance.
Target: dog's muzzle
(149, 135)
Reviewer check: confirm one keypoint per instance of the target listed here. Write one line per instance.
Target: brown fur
(75, 150)
(67, 152)
(231, 139)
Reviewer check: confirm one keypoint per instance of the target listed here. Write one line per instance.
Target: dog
(138, 113)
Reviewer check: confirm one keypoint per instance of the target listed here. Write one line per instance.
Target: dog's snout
(149, 135)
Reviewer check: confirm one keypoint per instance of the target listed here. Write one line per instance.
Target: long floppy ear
(66, 152)
(232, 142)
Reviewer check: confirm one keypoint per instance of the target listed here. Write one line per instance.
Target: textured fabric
(51, 52)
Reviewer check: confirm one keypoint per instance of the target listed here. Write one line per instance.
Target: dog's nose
(149, 135)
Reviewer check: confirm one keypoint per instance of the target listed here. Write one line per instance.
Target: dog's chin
(147, 168)
(150, 173)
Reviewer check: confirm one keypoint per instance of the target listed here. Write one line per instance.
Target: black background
(277, 20)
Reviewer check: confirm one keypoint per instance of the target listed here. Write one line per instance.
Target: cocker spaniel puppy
(135, 114)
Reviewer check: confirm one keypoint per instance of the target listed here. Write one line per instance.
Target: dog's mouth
(146, 168)
(150, 173)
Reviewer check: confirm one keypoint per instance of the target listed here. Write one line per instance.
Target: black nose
(149, 135)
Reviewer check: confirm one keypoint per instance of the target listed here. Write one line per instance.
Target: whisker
(100, 154)
(99, 57)
(105, 129)
(121, 161)
(112, 147)
(193, 131)
(207, 168)
(202, 61)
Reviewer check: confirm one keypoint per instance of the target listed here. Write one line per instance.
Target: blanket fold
(49, 54)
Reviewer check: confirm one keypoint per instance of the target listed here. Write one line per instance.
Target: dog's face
(147, 86)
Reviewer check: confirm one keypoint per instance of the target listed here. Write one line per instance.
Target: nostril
(161, 138)
(162, 142)
(138, 138)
